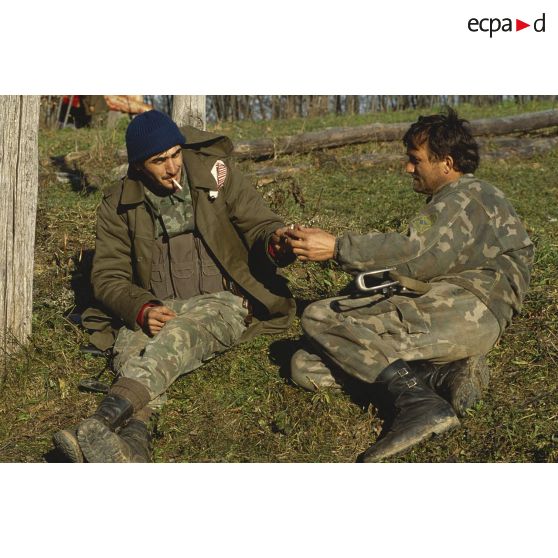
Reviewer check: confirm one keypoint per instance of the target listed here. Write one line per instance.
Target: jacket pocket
(156, 276)
(411, 317)
(209, 269)
(211, 278)
(182, 270)
(158, 284)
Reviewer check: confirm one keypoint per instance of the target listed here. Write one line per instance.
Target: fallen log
(336, 137)
(493, 149)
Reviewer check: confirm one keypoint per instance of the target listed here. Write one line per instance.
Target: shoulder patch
(422, 223)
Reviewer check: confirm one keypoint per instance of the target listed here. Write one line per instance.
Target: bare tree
(19, 179)
(337, 104)
(317, 105)
(275, 106)
(353, 104)
(189, 110)
(261, 105)
(291, 110)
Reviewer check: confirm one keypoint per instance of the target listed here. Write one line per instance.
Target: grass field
(241, 406)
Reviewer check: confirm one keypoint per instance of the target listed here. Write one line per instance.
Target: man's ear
(448, 165)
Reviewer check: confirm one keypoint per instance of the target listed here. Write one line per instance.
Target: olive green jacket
(235, 226)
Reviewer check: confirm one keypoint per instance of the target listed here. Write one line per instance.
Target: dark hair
(445, 134)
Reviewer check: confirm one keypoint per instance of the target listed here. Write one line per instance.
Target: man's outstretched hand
(310, 244)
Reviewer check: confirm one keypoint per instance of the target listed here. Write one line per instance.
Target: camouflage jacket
(467, 234)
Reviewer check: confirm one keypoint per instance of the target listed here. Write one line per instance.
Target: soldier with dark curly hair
(466, 260)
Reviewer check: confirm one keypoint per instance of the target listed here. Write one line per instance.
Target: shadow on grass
(74, 176)
(281, 352)
(81, 280)
(360, 393)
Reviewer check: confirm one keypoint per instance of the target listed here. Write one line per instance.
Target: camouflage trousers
(205, 326)
(361, 336)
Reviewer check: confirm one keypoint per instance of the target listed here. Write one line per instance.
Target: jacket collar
(198, 171)
(207, 142)
(213, 146)
(451, 186)
(132, 191)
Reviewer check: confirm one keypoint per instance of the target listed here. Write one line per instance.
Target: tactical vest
(182, 267)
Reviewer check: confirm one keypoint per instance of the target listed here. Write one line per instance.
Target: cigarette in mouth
(176, 184)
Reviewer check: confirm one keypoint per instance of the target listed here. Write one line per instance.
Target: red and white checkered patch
(219, 172)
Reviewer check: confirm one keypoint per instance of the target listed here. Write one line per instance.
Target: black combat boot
(130, 444)
(94, 434)
(133, 443)
(462, 382)
(112, 412)
(419, 413)
(66, 442)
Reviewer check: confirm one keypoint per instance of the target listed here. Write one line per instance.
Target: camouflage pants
(362, 336)
(205, 326)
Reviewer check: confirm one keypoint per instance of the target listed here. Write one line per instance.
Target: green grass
(241, 406)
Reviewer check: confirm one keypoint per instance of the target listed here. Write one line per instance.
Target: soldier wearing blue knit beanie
(149, 133)
(185, 266)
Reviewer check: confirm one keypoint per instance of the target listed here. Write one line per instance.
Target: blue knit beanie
(149, 133)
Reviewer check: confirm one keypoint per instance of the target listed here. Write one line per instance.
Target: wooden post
(58, 113)
(68, 111)
(189, 110)
(19, 179)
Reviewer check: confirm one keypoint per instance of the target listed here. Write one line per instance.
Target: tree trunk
(353, 105)
(262, 107)
(338, 106)
(317, 105)
(291, 111)
(189, 110)
(236, 108)
(275, 107)
(19, 179)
